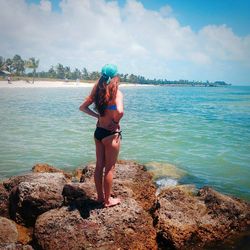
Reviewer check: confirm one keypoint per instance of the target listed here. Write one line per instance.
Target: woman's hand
(114, 126)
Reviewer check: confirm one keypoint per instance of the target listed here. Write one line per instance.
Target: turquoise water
(203, 131)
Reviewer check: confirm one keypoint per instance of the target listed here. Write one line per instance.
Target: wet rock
(46, 168)
(34, 195)
(184, 221)
(125, 226)
(4, 201)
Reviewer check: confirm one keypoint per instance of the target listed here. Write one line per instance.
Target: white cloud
(90, 33)
(166, 10)
(222, 44)
(45, 5)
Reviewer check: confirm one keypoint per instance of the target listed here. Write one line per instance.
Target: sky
(165, 39)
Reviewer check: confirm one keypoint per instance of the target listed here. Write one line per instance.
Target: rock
(10, 237)
(8, 231)
(73, 191)
(24, 234)
(133, 176)
(16, 246)
(4, 201)
(184, 221)
(87, 172)
(84, 172)
(66, 215)
(14, 181)
(45, 168)
(77, 174)
(130, 180)
(34, 195)
(126, 226)
(231, 212)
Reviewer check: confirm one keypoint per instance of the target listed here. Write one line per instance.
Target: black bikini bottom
(101, 133)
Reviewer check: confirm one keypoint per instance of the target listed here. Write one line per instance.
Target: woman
(108, 102)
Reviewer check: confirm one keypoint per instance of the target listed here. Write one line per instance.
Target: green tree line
(18, 67)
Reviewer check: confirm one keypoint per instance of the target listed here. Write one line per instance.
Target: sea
(184, 135)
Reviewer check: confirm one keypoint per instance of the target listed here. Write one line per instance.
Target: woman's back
(112, 112)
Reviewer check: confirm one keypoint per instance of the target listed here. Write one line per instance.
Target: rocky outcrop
(4, 201)
(126, 226)
(8, 231)
(185, 221)
(46, 168)
(61, 210)
(24, 234)
(9, 236)
(35, 194)
(130, 180)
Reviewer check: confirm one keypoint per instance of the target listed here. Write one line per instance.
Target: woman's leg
(100, 163)
(112, 147)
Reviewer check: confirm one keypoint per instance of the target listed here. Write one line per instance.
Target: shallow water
(204, 132)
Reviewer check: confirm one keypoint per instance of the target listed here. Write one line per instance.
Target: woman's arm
(85, 108)
(118, 114)
(85, 105)
(119, 105)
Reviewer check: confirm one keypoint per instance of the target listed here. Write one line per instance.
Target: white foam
(165, 182)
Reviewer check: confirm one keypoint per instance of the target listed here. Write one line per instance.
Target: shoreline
(78, 84)
(57, 84)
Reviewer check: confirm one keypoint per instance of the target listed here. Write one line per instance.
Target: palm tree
(32, 63)
(18, 65)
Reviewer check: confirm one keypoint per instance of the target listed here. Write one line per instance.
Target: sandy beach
(52, 84)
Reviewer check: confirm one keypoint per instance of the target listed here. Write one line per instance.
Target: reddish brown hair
(103, 93)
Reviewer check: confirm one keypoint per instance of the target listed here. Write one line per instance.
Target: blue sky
(194, 40)
(198, 13)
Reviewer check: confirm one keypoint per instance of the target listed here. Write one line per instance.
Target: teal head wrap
(109, 71)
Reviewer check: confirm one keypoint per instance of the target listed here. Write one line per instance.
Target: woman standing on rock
(108, 102)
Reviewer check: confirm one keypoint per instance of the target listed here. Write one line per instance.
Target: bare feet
(112, 202)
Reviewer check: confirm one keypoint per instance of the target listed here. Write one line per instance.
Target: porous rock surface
(126, 226)
(4, 201)
(185, 221)
(9, 236)
(8, 231)
(130, 180)
(46, 168)
(34, 194)
(62, 210)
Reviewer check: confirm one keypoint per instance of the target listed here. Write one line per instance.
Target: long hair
(103, 93)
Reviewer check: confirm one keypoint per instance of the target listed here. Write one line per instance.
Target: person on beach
(9, 79)
(108, 111)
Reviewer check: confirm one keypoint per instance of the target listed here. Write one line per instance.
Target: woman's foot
(112, 202)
